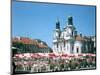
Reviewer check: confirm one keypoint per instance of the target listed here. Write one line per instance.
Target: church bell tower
(56, 37)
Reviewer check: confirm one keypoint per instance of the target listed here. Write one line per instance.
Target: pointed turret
(70, 20)
(58, 24)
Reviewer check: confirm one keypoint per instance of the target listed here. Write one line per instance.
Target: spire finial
(58, 24)
(70, 20)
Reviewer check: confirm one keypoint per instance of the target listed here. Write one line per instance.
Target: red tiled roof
(26, 40)
(79, 38)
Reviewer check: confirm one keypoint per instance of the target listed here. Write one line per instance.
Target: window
(61, 48)
(77, 50)
(67, 46)
(64, 43)
(57, 45)
(72, 47)
(72, 51)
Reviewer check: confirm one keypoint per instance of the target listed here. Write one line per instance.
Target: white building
(67, 40)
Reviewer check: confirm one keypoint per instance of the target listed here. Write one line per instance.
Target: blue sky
(37, 20)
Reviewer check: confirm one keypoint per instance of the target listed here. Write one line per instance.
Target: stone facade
(68, 41)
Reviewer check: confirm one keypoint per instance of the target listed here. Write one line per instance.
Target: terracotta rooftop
(79, 38)
(26, 40)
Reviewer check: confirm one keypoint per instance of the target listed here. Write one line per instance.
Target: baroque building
(68, 41)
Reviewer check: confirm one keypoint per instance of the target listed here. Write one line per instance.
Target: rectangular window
(64, 43)
(67, 46)
(77, 50)
(57, 45)
(61, 48)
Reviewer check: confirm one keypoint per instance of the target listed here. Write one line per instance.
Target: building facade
(68, 41)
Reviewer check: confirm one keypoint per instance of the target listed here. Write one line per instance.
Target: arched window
(77, 49)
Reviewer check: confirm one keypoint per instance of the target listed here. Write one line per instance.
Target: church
(68, 41)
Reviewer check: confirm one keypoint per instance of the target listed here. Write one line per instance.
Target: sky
(38, 20)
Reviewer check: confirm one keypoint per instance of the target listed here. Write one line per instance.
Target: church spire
(58, 24)
(70, 20)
